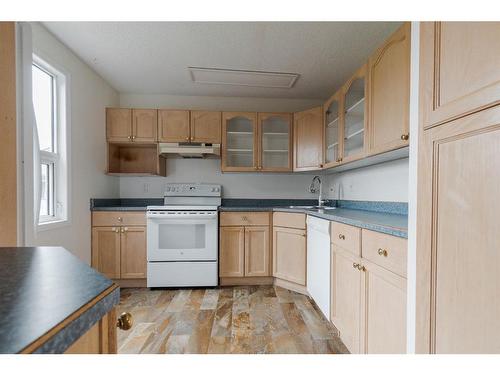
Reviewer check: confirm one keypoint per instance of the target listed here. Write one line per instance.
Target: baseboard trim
(291, 286)
(263, 280)
(131, 283)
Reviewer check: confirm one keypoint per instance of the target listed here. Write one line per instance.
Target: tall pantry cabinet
(458, 239)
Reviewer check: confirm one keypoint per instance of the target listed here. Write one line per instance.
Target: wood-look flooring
(243, 319)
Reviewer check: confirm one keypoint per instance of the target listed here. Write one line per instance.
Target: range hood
(190, 150)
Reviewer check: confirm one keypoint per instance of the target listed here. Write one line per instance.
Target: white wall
(382, 182)
(235, 185)
(89, 94)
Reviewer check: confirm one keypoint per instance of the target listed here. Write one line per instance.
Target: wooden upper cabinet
(144, 125)
(173, 126)
(257, 251)
(389, 74)
(333, 136)
(133, 252)
(206, 127)
(119, 124)
(459, 69)
(354, 121)
(308, 139)
(275, 142)
(232, 252)
(239, 142)
(106, 251)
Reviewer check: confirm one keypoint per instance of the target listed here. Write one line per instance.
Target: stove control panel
(193, 190)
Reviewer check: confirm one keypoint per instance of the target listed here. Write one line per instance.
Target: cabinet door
(332, 137)
(390, 93)
(206, 126)
(239, 141)
(458, 69)
(119, 124)
(458, 262)
(173, 126)
(257, 251)
(354, 120)
(133, 252)
(106, 251)
(308, 139)
(144, 125)
(275, 142)
(289, 254)
(384, 311)
(346, 297)
(232, 252)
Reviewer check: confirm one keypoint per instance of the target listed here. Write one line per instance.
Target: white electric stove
(182, 237)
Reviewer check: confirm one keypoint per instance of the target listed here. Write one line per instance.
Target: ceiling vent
(215, 76)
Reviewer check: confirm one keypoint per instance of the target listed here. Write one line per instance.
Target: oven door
(182, 236)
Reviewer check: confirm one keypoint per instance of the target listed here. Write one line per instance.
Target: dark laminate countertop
(385, 217)
(42, 286)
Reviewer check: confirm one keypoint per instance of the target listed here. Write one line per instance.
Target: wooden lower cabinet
(244, 251)
(106, 251)
(99, 339)
(257, 252)
(383, 306)
(346, 297)
(458, 242)
(133, 253)
(119, 252)
(368, 301)
(289, 254)
(232, 252)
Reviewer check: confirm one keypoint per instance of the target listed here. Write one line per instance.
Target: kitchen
(238, 200)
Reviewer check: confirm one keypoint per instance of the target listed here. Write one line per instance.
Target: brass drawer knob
(355, 265)
(405, 137)
(341, 236)
(382, 252)
(120, 219)
(361, 268)
(125, 321)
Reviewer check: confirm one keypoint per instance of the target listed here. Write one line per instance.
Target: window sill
(53, 224)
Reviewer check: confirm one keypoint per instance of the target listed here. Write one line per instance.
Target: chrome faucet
(313, 189)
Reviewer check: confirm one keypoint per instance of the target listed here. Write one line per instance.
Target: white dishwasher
(318, 262)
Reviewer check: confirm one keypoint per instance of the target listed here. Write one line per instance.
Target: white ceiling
(152, 57)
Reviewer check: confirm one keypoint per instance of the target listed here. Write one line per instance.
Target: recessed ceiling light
(235, 77)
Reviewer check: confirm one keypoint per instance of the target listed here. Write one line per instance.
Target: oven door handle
(152, 215)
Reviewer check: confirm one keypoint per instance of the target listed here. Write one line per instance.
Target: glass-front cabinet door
(333, 144)
(239, 141)
(354, 116)
(275, 142)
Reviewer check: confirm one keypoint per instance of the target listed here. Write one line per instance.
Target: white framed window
(49, 103)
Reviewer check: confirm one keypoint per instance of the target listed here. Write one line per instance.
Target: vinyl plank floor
(242, 320)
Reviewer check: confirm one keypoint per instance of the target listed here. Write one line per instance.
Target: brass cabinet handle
(355, 265)
(129, 137)
(125, 321)
(121, 230)
(341, 236)
(116, 230)
(187, 138)
(120, 219)
(361, 268)
(405, 137)
(382, 252)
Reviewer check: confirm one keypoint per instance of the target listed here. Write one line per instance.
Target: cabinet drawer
(244, 218)
(347, 237)
(386, 251)
(289, 220)
(109, 218)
